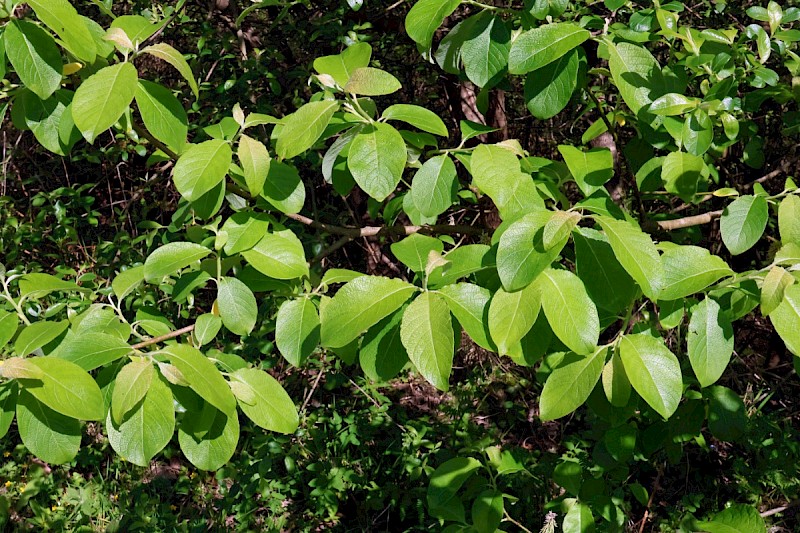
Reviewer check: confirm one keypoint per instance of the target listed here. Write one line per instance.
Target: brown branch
(162, 338)
(780, 509)
(141, 132)
(372, 231)
(656, 486)
(687, 222)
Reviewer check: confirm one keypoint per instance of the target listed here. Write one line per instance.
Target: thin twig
(330, 249)
(780, 509)
(656, 486)
(162, 338)
(311, 392)
(372, 231)
(141, 132)
(687, 222)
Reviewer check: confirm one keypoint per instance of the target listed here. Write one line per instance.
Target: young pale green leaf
(167, 53)
(470, 305)
(237, 306)
(615, 382)
(738, 518)
(653, 371)
(636, 253)
(789, 219)
(304, 127)
(485, 49)
(297, 330)
(162, 114)
(786, 319)
(201, 168)
(341, 66)
(544, 44)
(206, 328)
(590, 169)
(339, 275)
(48, 435)
(512, 315)
(19, 368)
(271, 408)
(38, 334)
(219, 437)
(382, 354)
(464, 260)
(773, 288)
(102, 98)
(710, 342)
(279, 255)
(569, 310)
(66, 388)
(607, 282)
(427, 15)
(417, 116)
(368, 81)
(284, 189)
(521, 253)
(487, 511)
(434, 186)
(137, 28)
(788, 254)
(672, 104)
(376, 160)
(730, 125)
(496, 171)
(202, 376)
(255, 163)
(35, 57)
(689, 270)
(579, 519)
(244, 229)
(148, 428)
(8, 326)
(413, 251)
(127, 281)
(92, 349)
(172, 258)
(571, 383)
(131, 385)
(743, 222)
(549, 89)
(633, 68)
(683, 174)
(359, 305)
(63, 19)
(34, 286)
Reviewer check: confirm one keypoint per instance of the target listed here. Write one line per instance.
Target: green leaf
(496, 172)
(202, 376)
(470, 305)
(549, 89)
(413, 251)
(167, 53)
(427, 15)
(672, 104)
(689, 270)
(216, 446)
(427, 333)
(615, 382)
(206, 328)
(63, 19)
(590, 169)
(341, 66)
(38, 334)
(244, 229)
(359, 305)
(445, 482)
(162, 114)
(542, 45)
(90, 350)
(636, 253)
(382, 354)
(201, 168)
(737, 518)
(653, 371)
(464, 260)
(579, 519)
(743, 222)
(284, 189)
(126, 281)
(272, 408)
(172, 258)
(19, 368)
(683, 174)
(304, 127)
(786, 319)
(633, 68)
(297, 330)
(710, 342)
(727, 417)
(789, 219)
(569, 310)
(48, 435)
(8, 326)
(570, 384)
(434, 186)
(34, 286)
(8, 405)
(487, 511)
(485, 49)
(339, 275)
(255, 163)
(512, 315)
(608, 284)
(102, 98)
(67, 388)
(773, 289)
(148, 428)
(237, 306)
(521, 254)
(370, 81)
(697, 133)
(417, 116)
(34, 56)
(50, 120)
(376, 159)
(131, 385)
(279, 255)
(137, 28)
